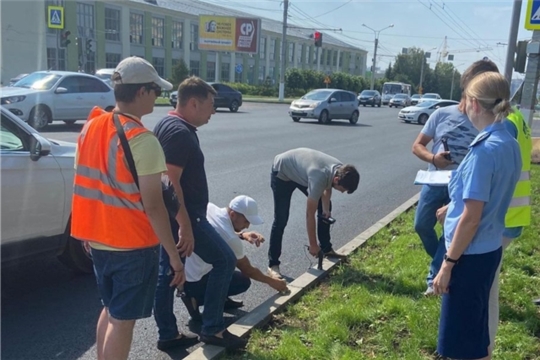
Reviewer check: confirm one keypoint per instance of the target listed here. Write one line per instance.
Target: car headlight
(314, 105)
(12, 99)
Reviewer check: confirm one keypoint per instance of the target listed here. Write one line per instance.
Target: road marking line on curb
(262, 313)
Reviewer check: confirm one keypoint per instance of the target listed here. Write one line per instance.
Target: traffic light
(90, 46)
(64, 41)
(521, 56)
(317, 36)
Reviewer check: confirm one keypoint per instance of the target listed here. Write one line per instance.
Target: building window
(194, 37)
(136, 22)
(177, 34)
(334, 60)
(251, 74)
(194, 68)
(159, 65)
(157, 31)
(51, 3)
(225, 71)
(272, 49)
(111, 60)
(329, 57)
(262, 70)
(112, 24)
(308, 53)
(210, 71)
(316, 52)
(54, 63)
(237, 75)
(291, 52)
(262, 48)
(341, 59)
(85, 20)
(299, 48)
(271, 74)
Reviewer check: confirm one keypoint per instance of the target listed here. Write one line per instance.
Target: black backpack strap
(127, 150)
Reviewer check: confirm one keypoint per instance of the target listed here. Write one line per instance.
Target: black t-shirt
(181, 147)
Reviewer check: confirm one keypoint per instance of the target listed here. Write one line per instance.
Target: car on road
(105, 75)
(226, 97)
(415, 99)
(326, 105)
(429, 97)
(420, 113)
(37, 185)
(400, 100)
(12, 81)
(46, 96)
(370, 97)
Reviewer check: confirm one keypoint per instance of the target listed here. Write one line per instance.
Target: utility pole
(374, 64)
(512, 40)
(283, 47)
(452, 87)
(318, 58)
(530, 84)
(376, 32)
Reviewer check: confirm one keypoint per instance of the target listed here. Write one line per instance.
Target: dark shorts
(463, 328)
(127, 281)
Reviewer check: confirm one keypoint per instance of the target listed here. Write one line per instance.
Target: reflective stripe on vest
(520, 201)
(95, 194)
(525, 175)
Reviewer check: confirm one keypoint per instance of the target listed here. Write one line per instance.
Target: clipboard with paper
(437, 178)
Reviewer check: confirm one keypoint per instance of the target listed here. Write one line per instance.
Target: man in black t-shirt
(177, 134)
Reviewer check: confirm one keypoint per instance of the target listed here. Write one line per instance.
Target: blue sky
(420, 23)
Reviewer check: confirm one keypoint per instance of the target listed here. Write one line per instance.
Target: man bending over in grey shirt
(315, 174)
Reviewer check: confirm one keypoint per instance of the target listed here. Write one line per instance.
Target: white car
(46, 96)
(37, 187)
(429, 97)
(420, 113)
(105, 75)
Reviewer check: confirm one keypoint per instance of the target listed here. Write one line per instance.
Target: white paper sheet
(439, 177)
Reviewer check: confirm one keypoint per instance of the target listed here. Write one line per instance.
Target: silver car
(37, 187)
(398, 100)
(326, 105)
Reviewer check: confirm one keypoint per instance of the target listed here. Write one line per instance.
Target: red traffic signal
(317, 36)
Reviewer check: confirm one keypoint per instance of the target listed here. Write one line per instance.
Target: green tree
(389, 74)
(180, 72)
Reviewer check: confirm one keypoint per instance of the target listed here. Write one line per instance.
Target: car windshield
(368, 93)
(317, 95)
(400, 96)
(415, 96)
(430, 96)
(38, 81)
(426, 103)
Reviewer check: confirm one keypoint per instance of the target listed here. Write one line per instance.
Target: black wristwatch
(453, 261)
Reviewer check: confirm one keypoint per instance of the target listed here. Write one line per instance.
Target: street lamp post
(452, 87)
(376, 32)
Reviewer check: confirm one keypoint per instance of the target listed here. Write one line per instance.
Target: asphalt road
(50, 313)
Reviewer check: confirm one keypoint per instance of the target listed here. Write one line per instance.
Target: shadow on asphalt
(334, 123)
(48, 312)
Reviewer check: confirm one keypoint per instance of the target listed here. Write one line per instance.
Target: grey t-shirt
(307, 167)
(448, 122)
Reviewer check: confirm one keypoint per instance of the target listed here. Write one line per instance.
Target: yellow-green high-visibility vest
(519, 212)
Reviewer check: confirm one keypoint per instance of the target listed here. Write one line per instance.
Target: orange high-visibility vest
(107, 207)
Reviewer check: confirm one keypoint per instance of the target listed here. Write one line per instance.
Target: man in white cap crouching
(229, 222)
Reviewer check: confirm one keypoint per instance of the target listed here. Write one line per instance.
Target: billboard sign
(226, 33)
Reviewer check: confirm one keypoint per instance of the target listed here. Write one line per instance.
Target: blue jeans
(283, 191)
(431, 199)
(212, 249)
(239, 284)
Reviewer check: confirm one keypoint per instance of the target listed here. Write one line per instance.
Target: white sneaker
(429, 291)
(273, 272)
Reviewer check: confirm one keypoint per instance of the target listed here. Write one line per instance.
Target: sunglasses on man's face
(157, 89)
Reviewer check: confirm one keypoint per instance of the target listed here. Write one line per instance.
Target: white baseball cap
(136, 70)
(248, 207)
